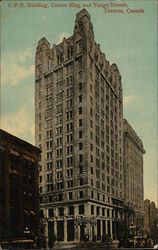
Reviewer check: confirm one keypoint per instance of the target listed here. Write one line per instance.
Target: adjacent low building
(151, 217)
(133, 151)
(19, 205)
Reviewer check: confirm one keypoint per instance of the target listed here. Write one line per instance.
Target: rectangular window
(91, 170)
(61, 211)
(80, 86)
(81, 194)
(91, 158)
(91, 123)
(91, 88)
(92, 209)
(103, 211)
(92, 182)
(91, 112)
(71, 210)
(70, 195)
(91, 135)
(50, 212)
(103, 197)
(80, 146)
(81, 209)
(40, 179)
(92, 194)
(81, 181)
(98, 196)
(98, 210)
(81, 169)
(80, 98)
(80, 122)
(80, 134)
(80, 158)
(80, 110)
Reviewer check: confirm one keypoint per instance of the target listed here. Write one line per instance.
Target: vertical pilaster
(90, 232)
(101, 228)
(65, 230)
(106, 226)
(111, 232)
(95, 230)
(46, 233)
(77, 232)
(55, 229)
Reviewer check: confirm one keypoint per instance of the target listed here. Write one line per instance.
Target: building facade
(19, 206)
(133, 175)
(150, 217)
(147, 215)
(79, 124)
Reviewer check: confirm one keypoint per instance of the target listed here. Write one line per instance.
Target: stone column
(77, 232)
(46, 233)
(106, 225)
(101, 228)
(77, 229)
(95, 230)
(65, 230)
(90, 231)
(55, 229)
(111, 229)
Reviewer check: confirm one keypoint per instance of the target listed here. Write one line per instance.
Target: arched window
(59, 58)
(69, 51)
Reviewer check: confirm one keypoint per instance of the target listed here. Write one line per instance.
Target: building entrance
(98, 230)
(82, 232)
(50, 234)
(70, 230)
(60, 230)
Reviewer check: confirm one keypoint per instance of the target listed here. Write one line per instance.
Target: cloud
(14, 68)
(26, 54)
(127, 99)
(20, 124)
(62, 35)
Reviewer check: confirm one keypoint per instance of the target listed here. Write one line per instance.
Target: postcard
(125, 35)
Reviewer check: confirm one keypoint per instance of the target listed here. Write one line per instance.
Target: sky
(127, 39)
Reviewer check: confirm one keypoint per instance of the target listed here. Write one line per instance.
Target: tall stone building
(133, 151)
(78, 104)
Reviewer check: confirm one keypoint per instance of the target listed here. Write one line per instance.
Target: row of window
(81, 210)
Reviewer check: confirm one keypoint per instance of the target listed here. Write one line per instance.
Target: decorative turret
(43, 56)
(84, 29)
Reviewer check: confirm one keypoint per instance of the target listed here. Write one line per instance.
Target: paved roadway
(98, 248)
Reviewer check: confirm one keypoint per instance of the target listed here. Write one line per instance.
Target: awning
(26, 212)
(28, 158)
(14, 152)
(32, 213)
(2, 148)
(22, 241)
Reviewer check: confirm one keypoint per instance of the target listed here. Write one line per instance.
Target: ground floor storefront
(81, 223)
